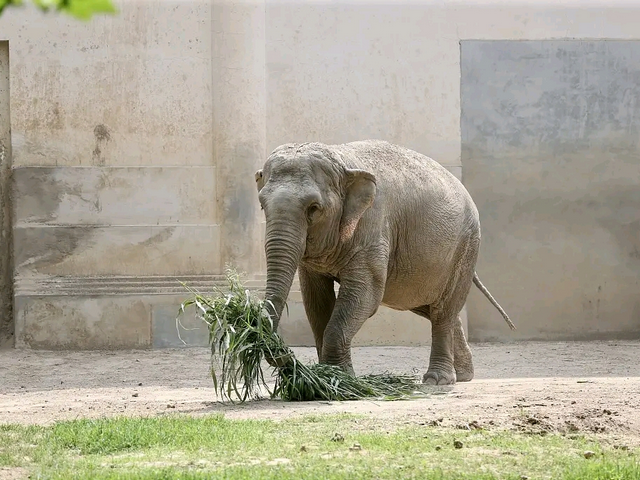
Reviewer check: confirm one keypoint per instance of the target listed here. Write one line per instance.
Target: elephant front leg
(318, 298)
(360, 294)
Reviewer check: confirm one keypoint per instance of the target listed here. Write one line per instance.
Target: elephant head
(313, 204)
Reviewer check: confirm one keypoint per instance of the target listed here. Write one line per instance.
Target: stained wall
(135, 138)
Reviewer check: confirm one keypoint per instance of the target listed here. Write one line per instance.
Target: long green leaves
(80, 9)
(241, 336)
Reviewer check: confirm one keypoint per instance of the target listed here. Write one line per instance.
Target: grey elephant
(390, 225)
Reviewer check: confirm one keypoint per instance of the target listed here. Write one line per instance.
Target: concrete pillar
(239, 127)
(6, 244)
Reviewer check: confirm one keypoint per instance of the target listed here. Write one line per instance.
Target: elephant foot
(348, 368)
(463, 365)
(464, 374)
(463, 362)
(434, 377)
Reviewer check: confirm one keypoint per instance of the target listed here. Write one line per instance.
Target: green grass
(180, 447)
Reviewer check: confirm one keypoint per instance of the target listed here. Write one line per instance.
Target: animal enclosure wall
(551, 153)
(6, 254)
(114, 175)
(135, 139)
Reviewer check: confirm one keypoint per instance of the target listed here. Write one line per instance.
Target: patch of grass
(89, 437)
(17, 444)
(241, 335)
(318, 447)
(607, 469)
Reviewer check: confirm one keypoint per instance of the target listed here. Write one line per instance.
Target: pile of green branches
(241, 336)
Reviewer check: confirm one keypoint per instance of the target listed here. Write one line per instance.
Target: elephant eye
(312, 210)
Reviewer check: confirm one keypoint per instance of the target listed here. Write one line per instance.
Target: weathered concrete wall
(239, 102)
(115, 179)
(351, 70)
(131, 90)
(135, 139)
(6, 254)
(550, 136)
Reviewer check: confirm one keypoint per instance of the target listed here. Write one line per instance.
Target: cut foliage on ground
(241, 336)
(310, 447)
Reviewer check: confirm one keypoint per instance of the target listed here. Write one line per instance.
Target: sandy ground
(535, 387)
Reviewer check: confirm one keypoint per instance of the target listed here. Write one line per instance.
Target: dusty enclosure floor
(538, 387)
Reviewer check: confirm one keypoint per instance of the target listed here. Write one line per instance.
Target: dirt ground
(535, 387)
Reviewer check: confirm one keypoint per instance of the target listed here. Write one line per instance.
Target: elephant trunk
(284, 247)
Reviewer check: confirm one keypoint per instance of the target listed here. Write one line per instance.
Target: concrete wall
(6, 253)
(551, 152)
(114, 173)
(135, 139)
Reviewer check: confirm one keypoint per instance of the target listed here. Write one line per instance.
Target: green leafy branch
(241, 336)
(80, 9)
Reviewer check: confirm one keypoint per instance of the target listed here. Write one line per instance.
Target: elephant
(391, 226)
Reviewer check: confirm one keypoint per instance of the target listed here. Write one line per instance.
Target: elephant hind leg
(441, 360)
(450, 358)
(462, 357)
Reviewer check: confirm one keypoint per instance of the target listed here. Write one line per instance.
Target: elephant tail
(483, 289)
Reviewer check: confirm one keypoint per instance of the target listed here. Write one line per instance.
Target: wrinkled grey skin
(391, 226)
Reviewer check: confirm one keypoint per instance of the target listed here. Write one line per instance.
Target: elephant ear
(360, 193)
(259, 180)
